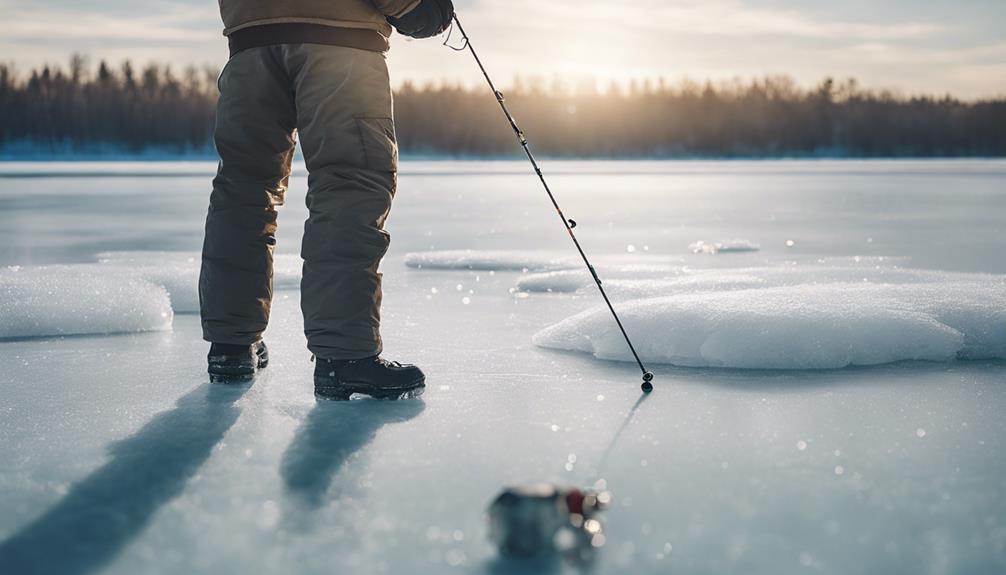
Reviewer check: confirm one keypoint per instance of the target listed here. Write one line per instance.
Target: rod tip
(647, 387)
(648, 376)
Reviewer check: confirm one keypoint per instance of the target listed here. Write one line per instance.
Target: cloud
(576, 40)
(712, 18)
(157, 22)
(894, 54)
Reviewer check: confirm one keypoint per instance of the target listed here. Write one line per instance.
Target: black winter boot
(229, 362)
(373, 376)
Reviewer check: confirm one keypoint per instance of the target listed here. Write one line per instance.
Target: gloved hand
(429, 18)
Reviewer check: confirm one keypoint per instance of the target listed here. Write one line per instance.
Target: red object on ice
(574, 501)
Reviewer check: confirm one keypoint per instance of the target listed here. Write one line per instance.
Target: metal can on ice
(529, 520)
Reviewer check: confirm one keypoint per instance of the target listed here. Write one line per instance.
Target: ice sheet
(119, 457)
(78, 300)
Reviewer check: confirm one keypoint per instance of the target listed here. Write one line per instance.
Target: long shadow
(107, 509)
(331, 434)
(621, 429)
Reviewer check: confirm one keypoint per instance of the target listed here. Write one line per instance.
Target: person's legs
(254, 135)
(344, 118)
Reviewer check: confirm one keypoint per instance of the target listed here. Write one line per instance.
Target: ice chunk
(178, 272)
(78, 300)
(701, 247)
(488, 260)
(638, 282)
(804, 326)
(571, 280)
(635, 283)
(558, 281)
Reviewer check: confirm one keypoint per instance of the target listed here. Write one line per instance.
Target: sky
(908, 46)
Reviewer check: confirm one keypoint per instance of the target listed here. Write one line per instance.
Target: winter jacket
(356, 15)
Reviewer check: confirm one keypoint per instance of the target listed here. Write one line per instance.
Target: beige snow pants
(339, 102)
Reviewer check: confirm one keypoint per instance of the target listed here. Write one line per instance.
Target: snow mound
(701, 247)
(78, 300)
(815, 324)
(178, 273)
(487, 260)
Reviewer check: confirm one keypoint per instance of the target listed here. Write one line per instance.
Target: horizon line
(546, 84)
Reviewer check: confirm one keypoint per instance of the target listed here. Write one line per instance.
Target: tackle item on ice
(531, 520)
(373, 376)
(569, 224)
(229, 362)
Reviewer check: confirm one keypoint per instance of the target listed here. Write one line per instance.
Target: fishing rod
(566, 222)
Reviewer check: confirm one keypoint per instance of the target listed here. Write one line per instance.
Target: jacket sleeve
(395, 8)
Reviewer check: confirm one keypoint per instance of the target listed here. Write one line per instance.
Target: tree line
(128, 110)
(122, 109)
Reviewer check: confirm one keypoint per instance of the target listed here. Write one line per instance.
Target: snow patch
(78, 300)
(487, 260)
(178, 273)
(124, 292)
(701, 247)
(796, 318)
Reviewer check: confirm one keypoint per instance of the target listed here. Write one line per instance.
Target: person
(313, 69)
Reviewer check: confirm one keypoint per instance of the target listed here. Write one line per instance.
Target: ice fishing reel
(534, 520)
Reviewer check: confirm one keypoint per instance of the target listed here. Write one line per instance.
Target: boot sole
(344, 391)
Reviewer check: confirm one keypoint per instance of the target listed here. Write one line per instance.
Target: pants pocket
(377, 139)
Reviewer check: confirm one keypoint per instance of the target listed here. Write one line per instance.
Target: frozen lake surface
(827, 337)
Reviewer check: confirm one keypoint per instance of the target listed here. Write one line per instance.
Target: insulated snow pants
(338, 100)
